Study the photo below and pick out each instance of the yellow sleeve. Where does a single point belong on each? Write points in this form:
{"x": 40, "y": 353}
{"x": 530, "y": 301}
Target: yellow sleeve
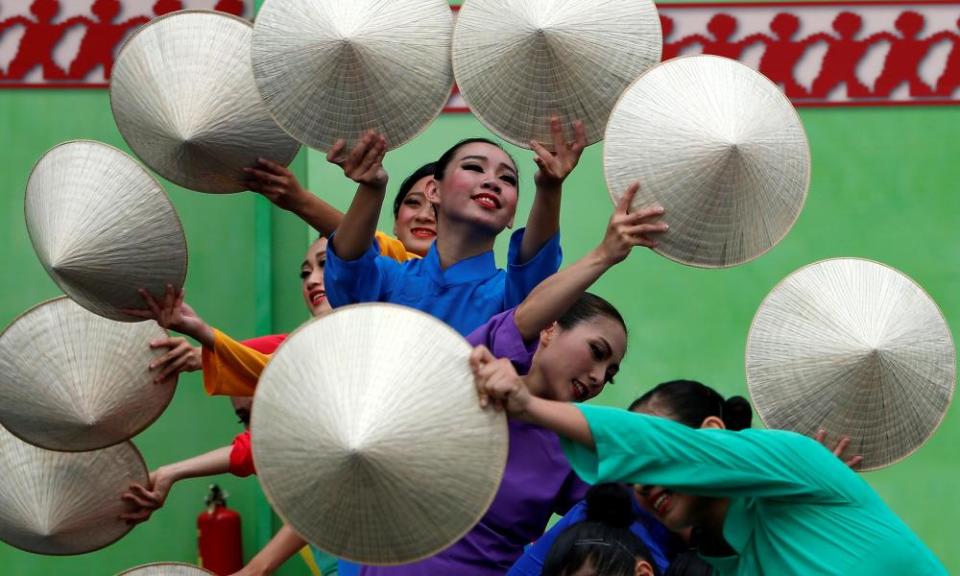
{"x": 231, "y": 369}
{"x": 393, "y": 248}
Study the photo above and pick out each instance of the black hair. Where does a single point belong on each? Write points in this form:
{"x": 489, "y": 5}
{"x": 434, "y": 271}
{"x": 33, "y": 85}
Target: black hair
{"x": 689, "y": 563}
{"x": 690, "y": 402}
{"x": 420, "y": 173}
{"x": 590, "y": 306}
{"x": 604, "y": 539}
{"x": 447, "y": 157}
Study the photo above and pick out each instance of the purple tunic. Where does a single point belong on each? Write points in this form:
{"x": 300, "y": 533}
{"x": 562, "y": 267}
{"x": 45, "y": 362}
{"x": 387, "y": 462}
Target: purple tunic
{"x": 537, "y": 483}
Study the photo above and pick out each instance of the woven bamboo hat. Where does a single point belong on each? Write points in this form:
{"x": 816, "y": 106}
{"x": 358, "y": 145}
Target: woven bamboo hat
{"x": 369, "y": 439}
{"x": 63, "y": 503}
{"x": 720, "y": 148}
{"x": 329, "y": 69}
{"x": 519, "y": 62}
{"x": 71, "y": 380}
{"x": 858, "y": 349}
{"x": 166, "y": 569}
{"x": 184, "y": 98}
{"x": 103, "y": 228}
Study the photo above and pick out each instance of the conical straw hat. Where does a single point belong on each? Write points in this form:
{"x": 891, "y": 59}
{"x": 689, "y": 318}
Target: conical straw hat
{"x": 184, "y": 98}
{"x": 329, "y": 69}
{"x": 519, "y": 62}
{"x": 858, "y": 349}
{"x": 369, "y": 439}
{"x": 71, "y": 380}
{"x": 103, "y": 228}
{"x": 62, "y": 503}
{"x": 166, "y": 569}
{"x": 720, "y": 148}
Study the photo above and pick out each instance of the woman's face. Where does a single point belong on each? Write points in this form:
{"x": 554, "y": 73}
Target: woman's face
{"x": 311, "y": 276}
{"x": 676, "y": 511}
{"x": 576, "y": 363}
{"x": 479, "y": 187}
{"x": 416, "y": 223}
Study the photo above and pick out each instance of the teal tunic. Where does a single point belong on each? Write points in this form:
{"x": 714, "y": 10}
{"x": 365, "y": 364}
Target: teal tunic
{"x": 795, "y": 508}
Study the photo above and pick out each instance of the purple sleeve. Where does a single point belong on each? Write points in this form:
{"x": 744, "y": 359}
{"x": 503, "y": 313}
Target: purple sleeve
{"x": 501, "y": 336}
{"x": 574, "y": 490}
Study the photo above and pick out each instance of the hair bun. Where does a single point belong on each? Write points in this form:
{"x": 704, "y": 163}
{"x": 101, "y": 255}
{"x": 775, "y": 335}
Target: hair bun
{"x": 610, "y": 504}
{"x": 737, "y": 413}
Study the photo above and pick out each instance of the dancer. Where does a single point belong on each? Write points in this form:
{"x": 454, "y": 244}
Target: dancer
{"x": 762, "y": 501}
{"x": 475, "y": 192}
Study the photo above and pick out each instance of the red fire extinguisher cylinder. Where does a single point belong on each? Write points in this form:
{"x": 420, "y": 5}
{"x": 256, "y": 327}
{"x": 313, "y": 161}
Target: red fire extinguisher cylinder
{"x": 220, "y": 537}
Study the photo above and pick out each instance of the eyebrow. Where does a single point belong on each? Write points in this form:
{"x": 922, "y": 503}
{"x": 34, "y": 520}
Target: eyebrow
{"x": 485, "y": 159}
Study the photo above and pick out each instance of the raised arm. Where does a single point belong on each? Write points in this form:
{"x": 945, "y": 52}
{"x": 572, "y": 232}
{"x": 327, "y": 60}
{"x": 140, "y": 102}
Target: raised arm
{"x": 543, "y": 221}
{"x": 279, "y": 185}
{"x": 364, "y": 165}
{"x": 149, "y": 499}
{"x": 171, "y": 312}
{"x": 555, "y": 295}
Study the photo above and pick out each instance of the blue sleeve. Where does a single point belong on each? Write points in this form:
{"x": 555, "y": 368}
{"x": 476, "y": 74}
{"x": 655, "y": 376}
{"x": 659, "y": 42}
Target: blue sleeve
{"x": 502, "y": 337}
{"x": 369, "y": 278}
{"x": 523, "y": 278}
{"x": 531, "y": 563}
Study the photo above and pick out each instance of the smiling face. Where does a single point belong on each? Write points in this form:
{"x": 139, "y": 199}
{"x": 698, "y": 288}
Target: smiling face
{"x": 577, "y": 362}
{"x": 311, "y": 276}
{"x": 416, "y": 222}
{"x": 479, "y": 188}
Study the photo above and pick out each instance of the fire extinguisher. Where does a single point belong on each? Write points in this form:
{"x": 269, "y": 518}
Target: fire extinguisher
{"x": 220, "y": 540}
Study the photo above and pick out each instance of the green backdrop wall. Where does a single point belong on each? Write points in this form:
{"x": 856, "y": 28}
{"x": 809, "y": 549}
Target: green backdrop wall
{"x": 885, "y": 186}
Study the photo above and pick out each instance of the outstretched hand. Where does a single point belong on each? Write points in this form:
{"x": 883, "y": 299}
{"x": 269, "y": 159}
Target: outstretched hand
{"x": 147, "y": 500}
{"x": 839, "y": 448}
{"x": 364, "y": 164}
{"x": 277, "y": 183}
{"x": 171, "y": 312}
{"x": 628, "y": 229}
{"x": 556, "y": 166}
{"x": 497, "y": 382}
{"x": 181, "y": 356}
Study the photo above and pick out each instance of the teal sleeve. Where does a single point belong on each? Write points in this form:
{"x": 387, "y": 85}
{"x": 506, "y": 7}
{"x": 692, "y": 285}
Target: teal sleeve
{"x": 645, "y": 449}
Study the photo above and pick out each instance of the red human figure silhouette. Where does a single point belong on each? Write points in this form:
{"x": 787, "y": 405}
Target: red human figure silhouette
{"x": 949, "y": 81}
{"x": 673, "y": 49}
{"x": 722, "y": 27}
{"x": 39, "y": 40}
{"x": 102, "y": 36}
{"x": 902, "y": 63}
{"x": 842, "y": 57}
{"x": 162, "y": 7}
{"x": 234, "y": 7}
{"x": 782, "y": 53}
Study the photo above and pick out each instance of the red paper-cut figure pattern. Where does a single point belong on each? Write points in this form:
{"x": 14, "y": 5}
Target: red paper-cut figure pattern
{"x": 161, "y": 7}
{"x": 234, "y": 7}
{"x": 782, "y": 54}
{"x": 842, "y": 57}
{"x": 39, "y": 39}
{"x": 101, "y": 38}
{"x": 949, "y": 81}
{"x": 903, "y": 60}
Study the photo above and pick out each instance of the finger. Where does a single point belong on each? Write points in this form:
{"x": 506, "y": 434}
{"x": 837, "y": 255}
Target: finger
{"x": 152, "y": 303}
{"x": 169, "y": 356}
{"x": 172, "y": 368}
{"x": 623, "y": 206}
{"x": 820, "y": 436}
{"x": 359, "y": 150}
{"x": 265, "y": 177}
{"x": 139, "y": 500}
{"x": 480, "y": 356}
{"x": 647, "y": 213}
{"x": 333, "y": 156}
{"x": 274, "y": 167}
{"x": 854, "y": 461}
{"x": 181, "y": 294}
{"x": 556, "y": 135}
{"x": 579, "y": 136}
{"x": 541, "y": 152}
{"x": 171, "y": 342}
{"x": 138, "y": 312}
{"x": 644, "y": 229}
{"x": 841, "y": 446}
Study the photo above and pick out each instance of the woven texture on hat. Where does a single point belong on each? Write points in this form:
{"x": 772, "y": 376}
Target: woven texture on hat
{"x": 858, "y": 349}
{"x": 330, "y": 69}
{"x": 71, "y": 380}
{"x": 62, "y": 503}
{"x": 369, "y": 439}
{"x": 184, "y": 99}
{"x": 166, "y": 569}
{"x": 519, "y": 62}
{"x": 103, "y": 228}
{"x": 720, "y": 148}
